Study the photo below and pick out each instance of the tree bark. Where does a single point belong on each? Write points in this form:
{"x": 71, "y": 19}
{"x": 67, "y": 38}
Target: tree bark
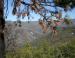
{"x": 2, "y": 25}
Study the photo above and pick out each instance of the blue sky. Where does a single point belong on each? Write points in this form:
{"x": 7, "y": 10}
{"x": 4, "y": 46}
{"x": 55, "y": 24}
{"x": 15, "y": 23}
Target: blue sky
{"x": 35, "y": 17}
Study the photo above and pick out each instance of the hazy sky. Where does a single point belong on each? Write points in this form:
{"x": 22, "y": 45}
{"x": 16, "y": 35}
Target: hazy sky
{"x": 34, "y": 16}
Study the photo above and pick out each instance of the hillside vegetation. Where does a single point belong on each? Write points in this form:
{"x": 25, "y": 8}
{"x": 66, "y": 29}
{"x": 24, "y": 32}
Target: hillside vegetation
{"x": 43, "y": 46}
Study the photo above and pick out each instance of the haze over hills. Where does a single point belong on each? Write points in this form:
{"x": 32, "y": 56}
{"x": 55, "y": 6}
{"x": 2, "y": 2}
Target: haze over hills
{"x": 17, "y": 36}
{"x": 27, "y": 32}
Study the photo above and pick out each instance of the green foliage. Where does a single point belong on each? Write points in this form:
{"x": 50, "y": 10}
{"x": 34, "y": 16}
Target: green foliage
{"x": 45, "y": 50}
{"x": 68, "y": 50}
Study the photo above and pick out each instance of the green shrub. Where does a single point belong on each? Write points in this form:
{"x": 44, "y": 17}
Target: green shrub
{"x": 45, "y": 50}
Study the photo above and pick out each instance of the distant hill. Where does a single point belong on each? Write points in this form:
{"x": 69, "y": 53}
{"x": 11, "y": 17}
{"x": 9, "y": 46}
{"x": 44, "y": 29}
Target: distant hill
{"x": 17, "y": 36}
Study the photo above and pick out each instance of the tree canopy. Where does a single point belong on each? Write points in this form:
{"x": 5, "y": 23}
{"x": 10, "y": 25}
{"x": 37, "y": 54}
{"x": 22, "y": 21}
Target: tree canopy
{"x": 39, "y": 6}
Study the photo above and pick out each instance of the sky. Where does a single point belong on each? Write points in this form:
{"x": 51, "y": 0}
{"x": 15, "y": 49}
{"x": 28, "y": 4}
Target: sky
{"x": 34, "y": 17}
